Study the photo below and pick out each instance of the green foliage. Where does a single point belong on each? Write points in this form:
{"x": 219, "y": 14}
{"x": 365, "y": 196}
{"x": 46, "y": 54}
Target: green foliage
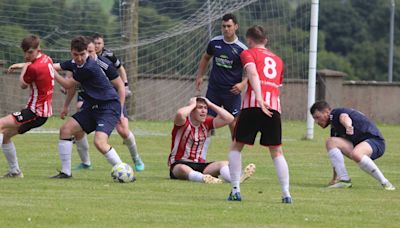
{"x": 330, "y": 60}
{"x": 91, "y": 199}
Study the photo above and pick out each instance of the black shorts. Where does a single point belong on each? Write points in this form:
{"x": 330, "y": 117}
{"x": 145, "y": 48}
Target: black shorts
{"x": 196, "y": 166}
{"x": 28, "y": 120}
{"x": 254, "y": 120}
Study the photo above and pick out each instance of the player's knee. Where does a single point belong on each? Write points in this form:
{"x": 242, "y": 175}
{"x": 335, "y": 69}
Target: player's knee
{"x": 330, "y": 143}
{"x": 101, "y": 145}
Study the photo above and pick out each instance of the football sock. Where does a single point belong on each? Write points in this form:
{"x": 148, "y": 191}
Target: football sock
{"x": 130, "y": 142}
{"x": 195, "y": 176}
{"x": 65, "y": 150}
{"x": 11, "y": 155}
{"x": 235, "y": 169}
{"x": 337, "y": 161}
{"x": 1, "y": 138}
{"x": 205, "y": 147}
{"x": 82, "y": 146}
{"x": 370, "y": 167}
{"x": 282, "y": 171}
{"x": 225, "y": 174}
{"x": 112, "y": 157}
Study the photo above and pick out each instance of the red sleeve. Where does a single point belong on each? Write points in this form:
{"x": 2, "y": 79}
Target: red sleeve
{"x": 29, "y": 75}
{"x": 209, "y": 123}
{"x": 246, "y": 57}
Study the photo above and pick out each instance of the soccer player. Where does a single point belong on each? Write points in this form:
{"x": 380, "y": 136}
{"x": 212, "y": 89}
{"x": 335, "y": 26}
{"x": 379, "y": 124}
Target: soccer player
{"x": 226, "y": 78}
{"x": 191, "y": 127}
{"x": 100, "y": 111}
{"x": 260, "y": 111}
{"x": 38, "y": 74}
{"x": 353, "y": 135}
{"x": 102, "y": 51}
{"x": 122, "y": 126}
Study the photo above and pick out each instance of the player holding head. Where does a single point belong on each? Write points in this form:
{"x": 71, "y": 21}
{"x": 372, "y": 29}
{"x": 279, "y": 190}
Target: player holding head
{"x": 122, "y": 126}
{"x": 191, "y": 128}
{"x": 353, "y": 135}
{"x": 37, "y": 74}
{"x": 260, "y": 111}
{"x": 226, "y": 78}
{"x": 102, "y": 51}
{"x": 100, "y": 111}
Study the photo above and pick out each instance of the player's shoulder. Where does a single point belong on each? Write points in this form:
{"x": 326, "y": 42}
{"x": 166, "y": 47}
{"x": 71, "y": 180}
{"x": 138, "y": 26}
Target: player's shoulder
{"x": 219, "y": 38}
{"x": 107, "y": 52}
{"x": 240, "y": 44}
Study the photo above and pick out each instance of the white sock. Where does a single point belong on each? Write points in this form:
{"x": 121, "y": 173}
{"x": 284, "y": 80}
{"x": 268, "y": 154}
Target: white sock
{"x": 82, "y": 146}
{"x": 282, "y": 171}
{"x": 65, "y": 151}
{"x": 225, "y": 174}
{"x": 235, "y": 169}
{"x": 112, "y": 157}
{"x": 1, "y": 138}
{"x": 370, "y": 167}
{"x": 337, "y": 161}
{"x": 195, "y": 176}
{"x": 205, "y": 148}
{"x": 130, "y": 142}
{"x": 11, "y": 155}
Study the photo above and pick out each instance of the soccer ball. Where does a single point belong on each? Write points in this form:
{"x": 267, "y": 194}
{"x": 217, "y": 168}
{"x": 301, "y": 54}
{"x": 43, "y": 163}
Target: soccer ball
{"x": 122, "y": 173}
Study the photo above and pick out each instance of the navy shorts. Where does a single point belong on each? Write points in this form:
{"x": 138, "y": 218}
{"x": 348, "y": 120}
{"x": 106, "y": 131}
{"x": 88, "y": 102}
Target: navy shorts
{"x": 378, "y": 147}
{"x": 196, "y": 166}
{"x": 254, "y": 120}
{"x": 230, "y": 102}
{"x": 102, "y": 117}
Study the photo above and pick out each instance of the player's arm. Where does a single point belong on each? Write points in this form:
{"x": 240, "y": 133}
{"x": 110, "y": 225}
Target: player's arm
{"x": 15, "y": 66}
{"x": 251, "y": 72}
{"x": 202, "y": 68}
{"x": 238, "y": 87}
{"x": 23, "y": 84}
{"x": 119, "y": 85}
{"x": 70, "y": 93}
{"x": 183, "y": 113}
{"x": 347, "y": 123}
{"x": 223, "y": 117}
{"x": 122, "y": 74}
{"x": 67, "y": 83}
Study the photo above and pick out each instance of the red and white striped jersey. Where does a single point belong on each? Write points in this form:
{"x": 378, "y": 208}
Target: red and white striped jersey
{"x": 270, "y": 72}
{"x": 40, "y": 77}
{"x": 188, "y": 141}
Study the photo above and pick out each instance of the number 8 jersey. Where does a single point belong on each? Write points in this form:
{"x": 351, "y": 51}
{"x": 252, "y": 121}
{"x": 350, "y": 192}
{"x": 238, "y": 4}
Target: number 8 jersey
{"x": 270, "y": 72}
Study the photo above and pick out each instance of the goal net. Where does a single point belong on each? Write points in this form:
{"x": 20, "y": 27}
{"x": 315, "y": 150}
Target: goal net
{"x": 159, "y": 42}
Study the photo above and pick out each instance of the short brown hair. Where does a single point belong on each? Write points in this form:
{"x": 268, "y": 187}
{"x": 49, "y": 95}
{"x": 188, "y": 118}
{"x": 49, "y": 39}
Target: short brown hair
{"x": 79, "y": 43}
{"x": 257, "y": 33}
{"x": 31, "y": 41}
{"x": 319, "y": 106}
{"x": 228, "y": 17}
{"x": 97, "y": 35}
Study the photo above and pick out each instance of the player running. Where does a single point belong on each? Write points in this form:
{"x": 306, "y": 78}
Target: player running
{"x": 38, "y": 74}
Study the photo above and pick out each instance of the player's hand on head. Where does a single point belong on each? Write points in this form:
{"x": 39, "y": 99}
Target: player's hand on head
{"x": 192, "y": 100}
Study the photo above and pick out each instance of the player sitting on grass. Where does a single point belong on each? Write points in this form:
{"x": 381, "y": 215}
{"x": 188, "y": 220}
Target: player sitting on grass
{"x": 191, "y": 129}
{"x": 38, "y": 75}
{"x": 353, "y": 135}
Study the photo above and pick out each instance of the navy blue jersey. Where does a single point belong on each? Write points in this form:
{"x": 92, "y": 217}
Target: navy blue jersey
{"x": 110, "y": 56}
{"x": 363, "y": 127}
{"x": 93, "y": 80}
{"x": 108, "y": 67}
{"x": 227, "y": 68}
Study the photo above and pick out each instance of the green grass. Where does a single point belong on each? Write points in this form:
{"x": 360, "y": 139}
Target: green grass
{"x": 91, "y": 199}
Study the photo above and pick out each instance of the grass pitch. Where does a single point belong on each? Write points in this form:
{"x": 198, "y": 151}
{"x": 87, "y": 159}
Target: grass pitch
{"x": 92, "y": 199}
